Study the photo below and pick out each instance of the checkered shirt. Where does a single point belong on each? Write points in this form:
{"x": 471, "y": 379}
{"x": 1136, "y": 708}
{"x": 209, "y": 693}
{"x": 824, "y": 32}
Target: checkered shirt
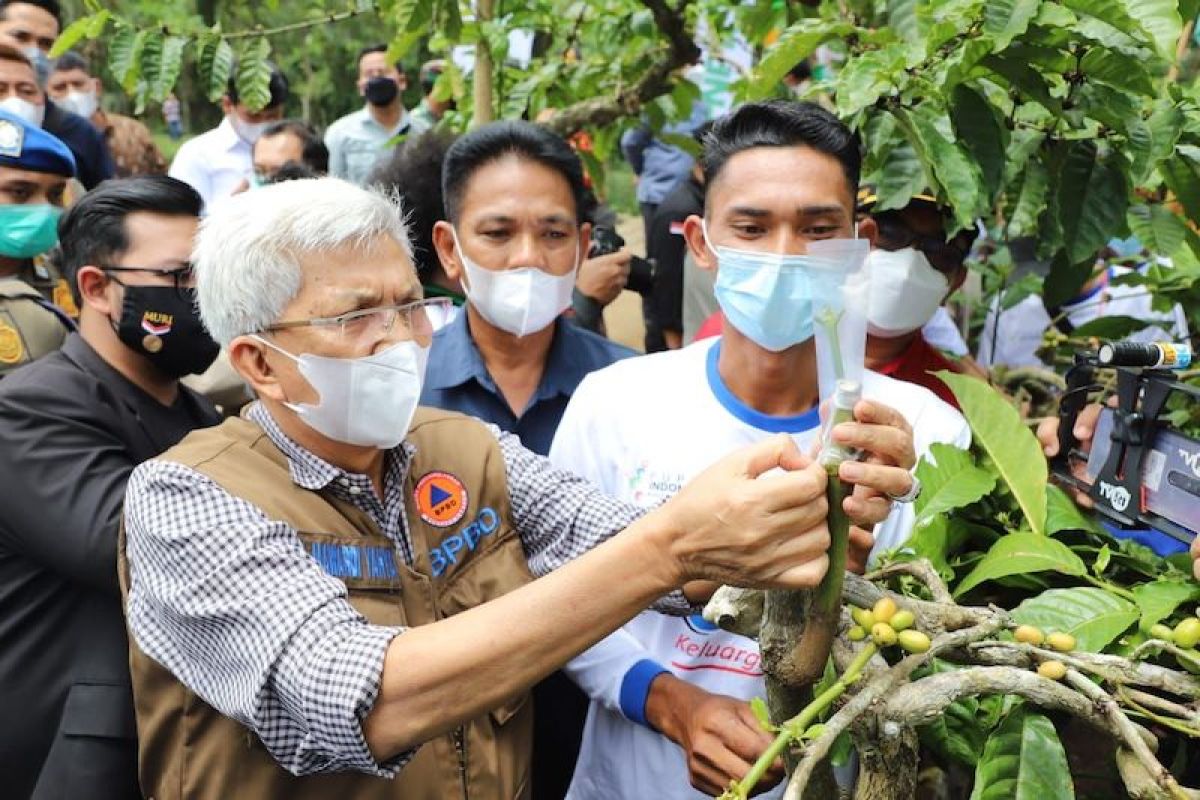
{"x": 231, "y": 603}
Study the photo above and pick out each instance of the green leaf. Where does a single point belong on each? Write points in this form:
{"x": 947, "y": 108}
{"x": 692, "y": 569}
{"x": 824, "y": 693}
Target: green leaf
{"x": 759, "y": 708}
{"x": 254, "y": 74}
{"x": 1021, "y": 553}
{"x": 123, "y": 52}
{"x": 1102, "y": 560}
{"x": 408, "y": 13}
{"x": 976, "y": 125}
{"x": 1093, "y": 616}
{"x": 1116, "y": 70}
{"x": 215, "y": 62}
{"x": 1023, "y": 760}
{"x": 1014, "y": 450}
{"x": 1031, "y": 200}
{"x": 1179, "y": 174}
{"x": 99, "y": 22}
{"x": 1005, "y": 20}
{"x": 961, "y": 730}
{"x": 794, "y": 45}
{"x": 939, "y": 540}
{"x": 1160, "y": 19}
{"x": 1158, "y": 228}
{"x": 1026, "y": 80}
{"x": 1112, "y": 12}
{"x": 902, "y": 18}
{"x": 866, "y": 78}
{"x": 1118, "y": 327}
{"x": 151, "y": 66}
{"x": 71, "y": 36}
{"x": 957, "y": 172}
{"x": 1092, "y": 198}
{"x": 902, "y": 177}
{"x": 1158, "y": 600}
{"x": 169, "y": 67}
{"x": 949, "y": 480}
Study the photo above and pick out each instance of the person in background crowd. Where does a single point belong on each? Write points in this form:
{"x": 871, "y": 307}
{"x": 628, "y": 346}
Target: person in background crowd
{"x": 513, "y": 235}
{"x": 353, "y": 595}
{"x": 217, "y": 162}
{"x": 173, "y": 117}
{"x": 358, "y": 140}
{"x": 73, "y": 87}
{"x": 914, "y": 267}
{"x": 669, "y": 302}
{"x": 288, "y": 142}
{"x": 34, "y": 170}
{"x": 659, "y": 168}
{"x": 24, "y": 28}
{"x": 74, "y": 425}
{"x": 429, "y": 111}
{"x": 669, "y": 695}
{"x": 413, "y": 173}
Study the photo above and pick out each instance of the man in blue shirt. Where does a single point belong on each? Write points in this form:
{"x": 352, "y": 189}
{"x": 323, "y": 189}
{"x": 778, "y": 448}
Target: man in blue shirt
{"x": 513, "y": 236}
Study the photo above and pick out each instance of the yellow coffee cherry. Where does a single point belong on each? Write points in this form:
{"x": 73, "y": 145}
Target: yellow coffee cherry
{"x": 884, "y": 610}
{"x": 1029, "y": 635}
{"x": 863, "y": 617}
{"x": 913, "y": 641}
{"x": 1054, "y": 670}
{"x": 857, "y": 633}
{"x": 903, "y": 619}
{"x": 1163, "y": 632}
{"x": 1062, "y": 642}
{"x": 1187, "y": 633}
{"x": 883, "y": 635}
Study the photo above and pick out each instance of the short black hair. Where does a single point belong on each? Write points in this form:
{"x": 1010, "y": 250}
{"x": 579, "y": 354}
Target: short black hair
{"x": 526, "y": 140}
{"x": 278, "y": 86}
{"x": 49, "y": 6}
{"x": 93, "y": 230}
{"x": 314, "y": 154}
{"x": 374, "y": 48}
{"x": 71, "y": 60}
{"x": 414, "y": 172}
{"x": 782, "y": 123}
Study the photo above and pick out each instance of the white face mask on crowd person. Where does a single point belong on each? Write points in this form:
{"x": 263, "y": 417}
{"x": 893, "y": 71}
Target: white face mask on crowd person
{"x": 905, "y": 291}
{"x": 82, "y": 103}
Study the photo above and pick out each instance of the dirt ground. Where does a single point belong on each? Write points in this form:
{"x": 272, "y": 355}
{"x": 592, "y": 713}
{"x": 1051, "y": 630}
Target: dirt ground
{"x": 623, "y": 317}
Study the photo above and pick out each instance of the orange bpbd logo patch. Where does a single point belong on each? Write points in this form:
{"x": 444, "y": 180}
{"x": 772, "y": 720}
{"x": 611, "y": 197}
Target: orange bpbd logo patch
{"x": 441, "y": 499}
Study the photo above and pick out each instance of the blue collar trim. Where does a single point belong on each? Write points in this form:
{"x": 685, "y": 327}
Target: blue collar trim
{"x": 800, "y": 423}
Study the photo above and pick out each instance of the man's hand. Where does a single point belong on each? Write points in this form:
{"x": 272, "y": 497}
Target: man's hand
{"x": 861, "y": 542}
{"x": 602, "y": 278}
{"x": 1196, "y": 557}
{"x": 719, "y": 734}
{"x": 1084, "y": 431}
{"x": 886, "y": 439}
{"x": 732, "y": 526}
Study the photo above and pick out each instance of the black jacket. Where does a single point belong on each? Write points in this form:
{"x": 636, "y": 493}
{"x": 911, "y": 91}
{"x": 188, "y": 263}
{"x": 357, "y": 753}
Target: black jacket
{"x": 72, "y": 429}
{"x": 93, "y": 161}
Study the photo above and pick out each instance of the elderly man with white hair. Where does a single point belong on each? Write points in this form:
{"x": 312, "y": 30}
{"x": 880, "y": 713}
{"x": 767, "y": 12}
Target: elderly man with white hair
{"x": 342, "y": 595}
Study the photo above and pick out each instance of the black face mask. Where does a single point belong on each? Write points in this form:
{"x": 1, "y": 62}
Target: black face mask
{"x": 381, "y": 91}
{"x": 161, "y": 323}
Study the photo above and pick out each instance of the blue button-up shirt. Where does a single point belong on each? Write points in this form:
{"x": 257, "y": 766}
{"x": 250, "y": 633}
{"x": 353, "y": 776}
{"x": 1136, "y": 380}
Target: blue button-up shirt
{"x": 458, "y": 380}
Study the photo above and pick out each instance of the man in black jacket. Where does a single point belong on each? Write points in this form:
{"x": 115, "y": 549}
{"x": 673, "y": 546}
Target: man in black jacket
{"x": 74, "y": 425}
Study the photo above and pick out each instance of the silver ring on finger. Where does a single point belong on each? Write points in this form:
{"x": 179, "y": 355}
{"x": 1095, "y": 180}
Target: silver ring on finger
{"x": 914, "y": 491}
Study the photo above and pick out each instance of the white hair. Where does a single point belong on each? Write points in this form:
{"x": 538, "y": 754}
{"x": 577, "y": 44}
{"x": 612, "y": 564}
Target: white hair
{"x": 247, "y": 253}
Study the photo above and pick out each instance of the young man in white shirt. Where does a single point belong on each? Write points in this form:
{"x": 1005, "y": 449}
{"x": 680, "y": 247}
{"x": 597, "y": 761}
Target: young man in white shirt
{"x": 218, "y": 163}
{"x": 669, "y": 696}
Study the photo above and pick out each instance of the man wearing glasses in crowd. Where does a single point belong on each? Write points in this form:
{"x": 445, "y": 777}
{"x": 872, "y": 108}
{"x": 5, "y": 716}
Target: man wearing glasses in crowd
{"x": 74, "y": 425}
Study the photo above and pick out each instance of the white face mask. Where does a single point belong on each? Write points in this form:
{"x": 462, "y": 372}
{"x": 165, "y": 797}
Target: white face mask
{"x": 520, "y": 301}
{"x": 905, "y": 291}
{"x": 248, "y": 132}
{"x": 366, "y": 401}
{"x": 28, "y": 112}
{"x": 82, "y": 103}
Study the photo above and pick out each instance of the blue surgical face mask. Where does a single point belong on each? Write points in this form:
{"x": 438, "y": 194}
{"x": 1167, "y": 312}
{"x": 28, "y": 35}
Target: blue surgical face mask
{"x": 770, "y": 297}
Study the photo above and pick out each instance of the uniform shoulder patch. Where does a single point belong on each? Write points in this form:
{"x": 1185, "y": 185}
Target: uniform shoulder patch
{"x": 12, "y": 139}
{"x": 12, "y": 351}
{"x": 441, "y": 499}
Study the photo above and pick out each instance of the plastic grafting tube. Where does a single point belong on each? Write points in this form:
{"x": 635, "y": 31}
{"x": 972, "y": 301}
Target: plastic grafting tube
{"x": 1163, "y": 355}
{"x": 846, "y": 395}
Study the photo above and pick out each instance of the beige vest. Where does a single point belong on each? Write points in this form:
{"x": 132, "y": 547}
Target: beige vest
{"x": 28, "y": 330}
{"x": 466, "y": 553}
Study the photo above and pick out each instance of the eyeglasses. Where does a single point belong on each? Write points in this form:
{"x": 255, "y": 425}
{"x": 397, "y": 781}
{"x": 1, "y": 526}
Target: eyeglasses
{"x": 183, "y": 278}
{"x": 372, "y": 324}
{"x": 943, "y": 256}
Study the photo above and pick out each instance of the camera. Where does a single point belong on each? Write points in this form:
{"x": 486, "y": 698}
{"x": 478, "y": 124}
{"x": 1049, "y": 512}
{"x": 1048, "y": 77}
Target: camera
{"x": 606, "y": 240}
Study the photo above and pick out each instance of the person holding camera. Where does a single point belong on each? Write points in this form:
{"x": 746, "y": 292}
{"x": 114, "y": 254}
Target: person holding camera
{"x": 514, "y": 236}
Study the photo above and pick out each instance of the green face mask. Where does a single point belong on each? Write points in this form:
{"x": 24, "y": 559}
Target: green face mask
{"x": 28, "y": 230}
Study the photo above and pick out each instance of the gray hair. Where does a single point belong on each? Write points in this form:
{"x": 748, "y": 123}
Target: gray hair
{"x": 247, "y": 253}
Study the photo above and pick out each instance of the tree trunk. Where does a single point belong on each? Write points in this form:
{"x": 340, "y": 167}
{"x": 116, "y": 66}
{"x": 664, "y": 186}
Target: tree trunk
{"x": 482, "y": 76}
{"x": 887, "y": 764}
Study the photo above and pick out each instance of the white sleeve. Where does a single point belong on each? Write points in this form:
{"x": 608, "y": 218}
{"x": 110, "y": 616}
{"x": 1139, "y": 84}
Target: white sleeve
{"x": 189, "y": 168}
{"x": 616, "y": 673}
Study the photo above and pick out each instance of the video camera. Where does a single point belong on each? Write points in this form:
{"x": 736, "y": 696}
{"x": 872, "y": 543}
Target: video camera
{"x": 606, "y": 240}
{"x": 1140, "y": 472}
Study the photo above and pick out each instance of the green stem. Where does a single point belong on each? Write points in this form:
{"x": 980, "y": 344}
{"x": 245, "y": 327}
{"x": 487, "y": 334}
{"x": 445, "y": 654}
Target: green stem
{"x": 1109, "y": 587}
{"x": 790, "y": 730}
{"x": 829, "y": 593}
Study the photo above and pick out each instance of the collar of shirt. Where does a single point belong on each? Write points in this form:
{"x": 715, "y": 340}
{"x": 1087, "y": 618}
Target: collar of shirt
{"x": 227, "y": 138}
{"x": 457, "y": 360}
{"x": 310, "y": 471}
{"x": 367, "y": 121}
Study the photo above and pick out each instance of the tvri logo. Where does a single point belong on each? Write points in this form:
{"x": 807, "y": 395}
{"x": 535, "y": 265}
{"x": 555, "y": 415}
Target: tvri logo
{"x": 1191, "y": 459}
{"x": 1117, "y": 496}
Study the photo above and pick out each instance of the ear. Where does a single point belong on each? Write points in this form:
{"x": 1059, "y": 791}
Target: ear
{"x": 98, "y": 87}
{"x": 867, "y": 229}
{"x": 94, "y": 290}
{"x": 693, "y": 234}
{"x": 251, "y": 360}
{"x": 227, "y": 105}
{"x": 585, "y": 241}
{"x": 443, "y": 242}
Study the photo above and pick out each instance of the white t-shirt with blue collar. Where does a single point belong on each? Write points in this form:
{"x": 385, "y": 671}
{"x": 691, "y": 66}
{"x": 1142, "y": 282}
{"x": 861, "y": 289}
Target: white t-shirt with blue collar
{"x": 641, "y": 429}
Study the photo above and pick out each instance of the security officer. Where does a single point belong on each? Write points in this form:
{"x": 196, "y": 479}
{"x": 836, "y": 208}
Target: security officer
{"x": 34, "y": 170}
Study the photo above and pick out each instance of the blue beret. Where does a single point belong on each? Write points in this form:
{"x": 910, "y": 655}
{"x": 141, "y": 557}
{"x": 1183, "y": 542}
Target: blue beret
{"x": 23, "y": 146}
